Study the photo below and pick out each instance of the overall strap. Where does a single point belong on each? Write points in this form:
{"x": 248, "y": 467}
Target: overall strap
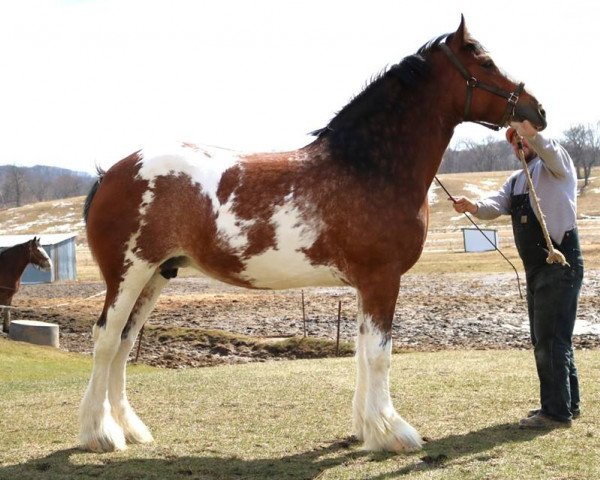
{"x": 512, "y": 185}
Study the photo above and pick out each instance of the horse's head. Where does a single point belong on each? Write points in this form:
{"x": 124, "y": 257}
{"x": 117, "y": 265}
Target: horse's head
{"x": 38, "y": 256}
{"x": 482, "y": 91}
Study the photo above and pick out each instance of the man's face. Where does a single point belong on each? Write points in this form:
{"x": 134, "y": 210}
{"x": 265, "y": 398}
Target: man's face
{"x": 527, "y": 150}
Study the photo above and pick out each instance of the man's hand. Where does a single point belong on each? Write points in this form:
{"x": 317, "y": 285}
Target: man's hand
{"x": 463, "y": 204}
{"x": 525, "y": 129}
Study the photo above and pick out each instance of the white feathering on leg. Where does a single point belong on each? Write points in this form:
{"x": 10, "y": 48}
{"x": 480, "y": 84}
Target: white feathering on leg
{"x": 384, "y": 429}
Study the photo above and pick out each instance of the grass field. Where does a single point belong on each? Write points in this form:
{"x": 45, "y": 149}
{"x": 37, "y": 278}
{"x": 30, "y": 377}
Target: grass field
{"x": 292, "y": 419}
{"x": 444, "y": 249}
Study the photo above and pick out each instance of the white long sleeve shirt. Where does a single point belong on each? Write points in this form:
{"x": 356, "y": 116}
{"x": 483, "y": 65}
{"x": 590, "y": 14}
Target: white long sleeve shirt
{"x": 555, "y": 182}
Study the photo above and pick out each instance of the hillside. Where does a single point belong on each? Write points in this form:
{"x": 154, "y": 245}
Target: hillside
{"x": 26, "y": 185}
{"x": 55, "y": 216}
{"x": 445, "y": 234}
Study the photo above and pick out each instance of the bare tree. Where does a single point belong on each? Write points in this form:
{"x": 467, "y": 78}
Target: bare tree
{"x": 583, "y": 143}
{"x": 592, "y": 156}
{"x": 471, "y": 156}
{"x": 40, "y": 187}
{"x": 575, "y": 139}
{"x": 14, "y": 185}
{"x": 67, "y": 186}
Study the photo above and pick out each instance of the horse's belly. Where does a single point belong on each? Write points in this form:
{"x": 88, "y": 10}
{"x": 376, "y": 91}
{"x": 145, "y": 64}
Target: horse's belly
{"x": 280, "y": 269}
{"x": 279, "y": 259}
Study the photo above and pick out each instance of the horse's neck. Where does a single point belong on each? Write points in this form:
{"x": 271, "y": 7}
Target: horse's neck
{"x": 12, "y": 265}
{"x": 410, "y": 140}
{"x": 429, "y": 141}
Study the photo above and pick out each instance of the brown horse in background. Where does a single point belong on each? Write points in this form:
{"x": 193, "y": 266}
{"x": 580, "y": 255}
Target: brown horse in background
{"x": 13, "y": 262}
{"x": 348, "y": 209}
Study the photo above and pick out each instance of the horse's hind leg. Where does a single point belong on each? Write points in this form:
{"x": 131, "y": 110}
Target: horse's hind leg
{"x": 5, "y": 319}
{"x": 375, "y": 419}
{"x": 99, "y": 431}
{"x": 134, "y": 429}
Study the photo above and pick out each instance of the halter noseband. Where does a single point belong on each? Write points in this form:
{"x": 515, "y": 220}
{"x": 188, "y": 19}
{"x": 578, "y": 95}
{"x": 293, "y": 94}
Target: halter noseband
{"x": 472, "y": 82}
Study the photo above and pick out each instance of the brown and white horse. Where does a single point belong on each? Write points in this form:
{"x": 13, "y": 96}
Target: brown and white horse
{"x": 348, "y": 209}
{"x": 13, "y": 262}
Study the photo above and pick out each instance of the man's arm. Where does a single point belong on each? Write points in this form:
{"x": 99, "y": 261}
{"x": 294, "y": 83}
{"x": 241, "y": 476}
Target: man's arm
{"x": 490, "y": 207}
{"x": 555, "y": 157}
{"x": 553, "y": 154}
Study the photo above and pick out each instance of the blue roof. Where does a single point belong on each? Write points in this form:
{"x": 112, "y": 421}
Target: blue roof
{"x": 45, "y": 239}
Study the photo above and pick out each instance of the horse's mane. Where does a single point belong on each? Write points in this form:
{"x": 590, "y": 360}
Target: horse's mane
{"x": 9, "y": 249}
{"x": 341, "y": 131}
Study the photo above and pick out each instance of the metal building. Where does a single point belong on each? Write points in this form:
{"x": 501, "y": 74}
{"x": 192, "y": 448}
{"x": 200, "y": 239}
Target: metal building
{"x": 483, "y": 240}
{"x": 61, "y": 250}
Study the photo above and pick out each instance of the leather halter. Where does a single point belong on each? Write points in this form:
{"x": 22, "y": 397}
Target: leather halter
{"x": 472, "y": 83}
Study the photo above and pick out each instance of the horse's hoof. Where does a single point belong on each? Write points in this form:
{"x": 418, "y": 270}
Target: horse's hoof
{"x": 397, "y": 435}
{"x": 108, "y": 438}
{"x": 104, "y": 444}
{"x": 139, "y": 436}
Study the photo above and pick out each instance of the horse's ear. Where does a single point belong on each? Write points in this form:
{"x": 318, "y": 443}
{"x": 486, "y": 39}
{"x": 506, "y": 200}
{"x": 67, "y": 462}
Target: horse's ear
{"x": 459, "y": 38}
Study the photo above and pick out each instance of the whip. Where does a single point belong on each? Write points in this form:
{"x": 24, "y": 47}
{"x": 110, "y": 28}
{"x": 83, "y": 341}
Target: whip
{"x": 484, "y": 236}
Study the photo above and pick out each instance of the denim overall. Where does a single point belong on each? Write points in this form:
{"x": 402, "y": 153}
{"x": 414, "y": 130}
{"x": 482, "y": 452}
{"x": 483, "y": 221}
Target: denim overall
{"x": 552, "y": 295}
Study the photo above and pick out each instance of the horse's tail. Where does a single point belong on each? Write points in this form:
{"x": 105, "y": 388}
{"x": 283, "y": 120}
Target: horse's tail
{"x": 90, "y": 196}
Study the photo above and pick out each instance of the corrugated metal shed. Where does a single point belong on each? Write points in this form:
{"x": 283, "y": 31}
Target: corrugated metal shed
{"x": 61, "y": 250}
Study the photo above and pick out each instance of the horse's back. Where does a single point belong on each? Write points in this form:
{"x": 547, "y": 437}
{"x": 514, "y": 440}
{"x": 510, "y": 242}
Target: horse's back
{"x": 233, "y": 217}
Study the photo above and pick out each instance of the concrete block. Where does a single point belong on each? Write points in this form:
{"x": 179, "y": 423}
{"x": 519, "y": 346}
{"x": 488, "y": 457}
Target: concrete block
{"x": 32, "y": 331}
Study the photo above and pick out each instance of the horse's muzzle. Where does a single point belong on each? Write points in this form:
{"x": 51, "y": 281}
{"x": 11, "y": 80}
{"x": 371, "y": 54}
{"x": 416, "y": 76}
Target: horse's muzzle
{"x": 532, "y": 112}
{"x": 46, "y": 267}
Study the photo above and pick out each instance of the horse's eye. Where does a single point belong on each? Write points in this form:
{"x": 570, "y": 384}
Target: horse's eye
{"x": 488, "y": 64}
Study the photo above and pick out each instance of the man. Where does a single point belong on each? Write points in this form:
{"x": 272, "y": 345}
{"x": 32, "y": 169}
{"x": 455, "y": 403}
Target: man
{"x": 552, "y": 289}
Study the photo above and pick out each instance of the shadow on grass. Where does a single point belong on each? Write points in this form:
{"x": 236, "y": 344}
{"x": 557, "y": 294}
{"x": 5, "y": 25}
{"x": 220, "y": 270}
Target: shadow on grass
{"x": 440, "y": 452}
{"x": 306, "y": 465}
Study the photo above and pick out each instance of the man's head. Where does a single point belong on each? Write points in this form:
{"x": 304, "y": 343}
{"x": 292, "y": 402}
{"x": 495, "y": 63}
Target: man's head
{"x": 511, "y": 137}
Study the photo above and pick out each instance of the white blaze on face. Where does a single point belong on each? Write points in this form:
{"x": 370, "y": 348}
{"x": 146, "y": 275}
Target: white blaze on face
{"x": 204, "y": 165}
{"x": 47, "y": 265}
{"x": 286, "y": 265}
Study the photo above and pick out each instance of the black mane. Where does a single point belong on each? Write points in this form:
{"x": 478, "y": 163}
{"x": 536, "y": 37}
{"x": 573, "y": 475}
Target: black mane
{"x": 383, "y": 96}
{"x": 9, "y": 250}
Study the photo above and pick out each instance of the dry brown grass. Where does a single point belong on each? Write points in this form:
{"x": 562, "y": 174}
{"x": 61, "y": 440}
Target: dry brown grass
{"x": 443, "y": 252}
{"x": 291, "y": 420}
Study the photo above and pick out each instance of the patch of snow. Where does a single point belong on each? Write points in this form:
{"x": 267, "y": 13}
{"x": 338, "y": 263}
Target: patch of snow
{"x": 490, "y": 183}
{"x": 477, "y": 190}
{"x": 582, "y": 327}
{"x": 431, "y": 195}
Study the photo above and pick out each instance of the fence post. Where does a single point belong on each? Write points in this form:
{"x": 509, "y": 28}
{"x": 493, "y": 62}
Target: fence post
{"x": 137, "y": 354}
{"x": 337, "y": 341}
{"x": 303, "y": 314}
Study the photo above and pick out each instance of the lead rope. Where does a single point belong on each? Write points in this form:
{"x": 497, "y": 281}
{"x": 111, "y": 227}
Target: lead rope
{"x": 554, "y": 256}
{"x": 484, "y": 236}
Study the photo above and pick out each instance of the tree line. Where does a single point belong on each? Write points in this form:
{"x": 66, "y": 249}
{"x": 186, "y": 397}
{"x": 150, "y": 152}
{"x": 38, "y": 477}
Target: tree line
{"x": 581, "y": 141}
{"x": 22, "y": 185}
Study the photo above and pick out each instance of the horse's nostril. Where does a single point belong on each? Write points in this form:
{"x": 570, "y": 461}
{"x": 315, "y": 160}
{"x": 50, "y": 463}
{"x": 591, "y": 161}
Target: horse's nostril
{"x": 542, "y": 112}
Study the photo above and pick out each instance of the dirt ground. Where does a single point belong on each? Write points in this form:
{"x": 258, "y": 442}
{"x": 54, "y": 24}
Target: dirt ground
{"x": 448, "y": 311}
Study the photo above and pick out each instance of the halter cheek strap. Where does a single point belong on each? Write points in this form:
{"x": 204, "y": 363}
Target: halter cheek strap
{"x": 512, "y": 98}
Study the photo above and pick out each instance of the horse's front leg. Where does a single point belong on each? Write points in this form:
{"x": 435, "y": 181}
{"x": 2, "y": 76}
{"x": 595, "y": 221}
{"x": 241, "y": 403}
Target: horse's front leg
{"x": 375, "y": 419}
